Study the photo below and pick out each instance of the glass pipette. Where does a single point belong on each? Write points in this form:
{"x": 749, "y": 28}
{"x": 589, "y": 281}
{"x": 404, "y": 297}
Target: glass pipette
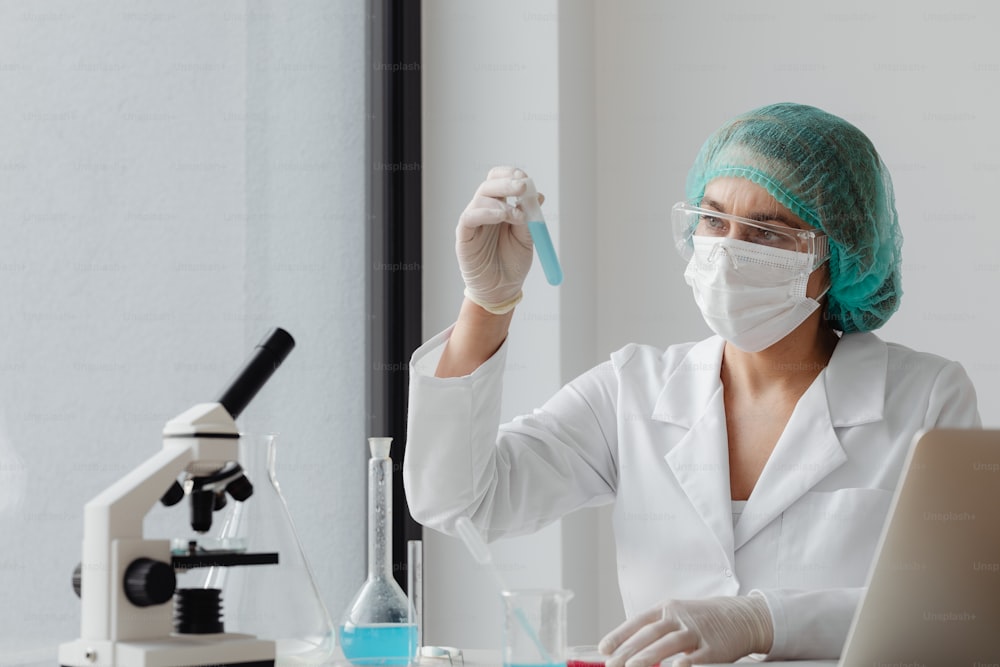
{"x": 477, "y": 547}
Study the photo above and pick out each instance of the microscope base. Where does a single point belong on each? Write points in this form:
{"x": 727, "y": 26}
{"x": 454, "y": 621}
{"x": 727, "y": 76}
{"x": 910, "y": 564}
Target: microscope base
{"x": 174, "y": 651}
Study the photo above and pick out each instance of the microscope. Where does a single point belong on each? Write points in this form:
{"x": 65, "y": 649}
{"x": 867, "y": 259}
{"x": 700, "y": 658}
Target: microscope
{"x": 132, "y": 612}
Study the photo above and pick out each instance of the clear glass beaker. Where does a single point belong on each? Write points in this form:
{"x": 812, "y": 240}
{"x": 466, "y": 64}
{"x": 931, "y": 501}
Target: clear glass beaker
{"x": 379, "y": 626}
{"x": 279, "y": 602}
{"x": 535, "y": 627}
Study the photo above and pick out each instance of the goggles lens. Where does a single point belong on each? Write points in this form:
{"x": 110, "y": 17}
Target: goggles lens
{"x": 689, "y": 221}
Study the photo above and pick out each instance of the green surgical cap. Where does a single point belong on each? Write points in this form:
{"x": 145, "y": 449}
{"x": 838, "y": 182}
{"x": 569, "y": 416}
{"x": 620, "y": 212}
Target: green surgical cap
{"x": 827, "y": 172}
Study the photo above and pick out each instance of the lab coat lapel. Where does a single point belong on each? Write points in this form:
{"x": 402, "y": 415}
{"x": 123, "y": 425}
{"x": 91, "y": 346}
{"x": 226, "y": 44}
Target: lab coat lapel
{"x": 850, "y": 391}
{"x": 700, "y": 462}
{"x": 692, "y": 397}
{"x": 807, "y": 451}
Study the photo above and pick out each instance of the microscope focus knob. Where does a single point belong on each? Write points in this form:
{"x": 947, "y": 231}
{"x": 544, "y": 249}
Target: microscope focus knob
{"x": 78, "y": 579}
{"x": 149, "y": 582}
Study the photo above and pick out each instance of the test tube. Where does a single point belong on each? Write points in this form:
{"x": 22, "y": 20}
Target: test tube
{"x": 415, "y": 586}
{"x": 540, "y": 234}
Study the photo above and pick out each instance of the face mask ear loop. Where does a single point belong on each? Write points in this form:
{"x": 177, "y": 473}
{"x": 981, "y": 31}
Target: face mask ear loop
{"x": 826, "y": 289}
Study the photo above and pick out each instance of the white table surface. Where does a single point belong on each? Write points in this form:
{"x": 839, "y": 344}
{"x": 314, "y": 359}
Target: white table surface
{"x": 486, "y": 658}
{"x": 19, "y": 653}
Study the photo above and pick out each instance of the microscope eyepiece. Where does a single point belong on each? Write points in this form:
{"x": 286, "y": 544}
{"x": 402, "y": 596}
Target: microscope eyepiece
{"x": 266, "y": 358}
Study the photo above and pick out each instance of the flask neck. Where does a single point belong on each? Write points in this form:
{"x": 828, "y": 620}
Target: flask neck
{"x": 379, "y": 518}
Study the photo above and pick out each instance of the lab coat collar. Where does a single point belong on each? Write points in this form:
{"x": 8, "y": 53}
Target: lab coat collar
{"x": 855, "y": 382}
{"x": 850, "y": 391}
{"x": 855, "y": 379}
{"x": 687, "y": 391}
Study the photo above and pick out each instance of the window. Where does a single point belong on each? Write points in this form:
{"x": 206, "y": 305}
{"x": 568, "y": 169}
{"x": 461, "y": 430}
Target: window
{"x": 172, "y": 186}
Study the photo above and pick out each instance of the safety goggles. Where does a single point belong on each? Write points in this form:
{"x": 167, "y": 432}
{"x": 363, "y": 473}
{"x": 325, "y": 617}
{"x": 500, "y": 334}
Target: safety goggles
{"x": 690, "y": 220}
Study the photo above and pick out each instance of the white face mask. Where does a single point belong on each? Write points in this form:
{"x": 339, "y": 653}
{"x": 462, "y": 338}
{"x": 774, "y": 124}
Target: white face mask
{"x": 751, "y": 295}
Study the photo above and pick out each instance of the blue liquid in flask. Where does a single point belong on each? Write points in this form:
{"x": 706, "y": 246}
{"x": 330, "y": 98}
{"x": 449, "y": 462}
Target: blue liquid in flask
{"x": 379, "y": 643}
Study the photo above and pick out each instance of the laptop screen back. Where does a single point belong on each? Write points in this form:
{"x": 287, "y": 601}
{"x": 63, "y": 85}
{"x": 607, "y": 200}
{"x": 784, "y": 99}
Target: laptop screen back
{"x": 934, "y": 590}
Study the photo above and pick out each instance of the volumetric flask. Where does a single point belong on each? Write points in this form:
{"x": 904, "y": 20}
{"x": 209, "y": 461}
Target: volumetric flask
{"x": 535, "y": 627}
{"x": 379, "y": 626}
{"x": 279, "y": 602}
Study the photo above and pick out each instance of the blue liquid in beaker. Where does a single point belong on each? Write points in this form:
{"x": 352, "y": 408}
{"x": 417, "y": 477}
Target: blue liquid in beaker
{"x": 379, "y": 643}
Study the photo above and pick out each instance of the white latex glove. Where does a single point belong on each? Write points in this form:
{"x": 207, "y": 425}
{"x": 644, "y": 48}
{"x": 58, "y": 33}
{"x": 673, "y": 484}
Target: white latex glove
{"x": 721, "y": 629}
{"x": 492, "y": 241}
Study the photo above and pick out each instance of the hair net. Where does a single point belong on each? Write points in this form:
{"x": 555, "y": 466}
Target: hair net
{"x": 827, "y": 172}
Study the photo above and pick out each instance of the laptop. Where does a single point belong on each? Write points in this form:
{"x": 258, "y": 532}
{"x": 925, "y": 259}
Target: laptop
{"x": 934, "y": 588}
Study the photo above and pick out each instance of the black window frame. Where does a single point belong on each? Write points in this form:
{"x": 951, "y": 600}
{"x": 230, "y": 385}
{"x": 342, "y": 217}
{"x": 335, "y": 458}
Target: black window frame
{"x": 394, "y": 238}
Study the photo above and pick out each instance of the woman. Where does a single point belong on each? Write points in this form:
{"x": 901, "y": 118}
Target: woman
{"x": 751, "y": 472}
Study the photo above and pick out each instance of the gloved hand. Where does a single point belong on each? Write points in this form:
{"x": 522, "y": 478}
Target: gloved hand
{"x": 721, "y": 629}
{"x": 493, "y": 244}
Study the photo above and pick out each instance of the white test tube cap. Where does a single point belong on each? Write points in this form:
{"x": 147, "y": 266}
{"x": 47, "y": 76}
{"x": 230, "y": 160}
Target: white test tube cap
{"x": 529, "y": 203}
{"x": 379, "y": 447}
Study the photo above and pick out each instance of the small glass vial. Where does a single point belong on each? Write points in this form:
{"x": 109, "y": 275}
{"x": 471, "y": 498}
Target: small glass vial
{"x": 379, "y": 627}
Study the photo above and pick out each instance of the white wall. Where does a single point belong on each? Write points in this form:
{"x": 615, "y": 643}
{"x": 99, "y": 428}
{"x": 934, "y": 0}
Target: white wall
{"x": 174, "y": 180}
{"x": 641, "y": 83}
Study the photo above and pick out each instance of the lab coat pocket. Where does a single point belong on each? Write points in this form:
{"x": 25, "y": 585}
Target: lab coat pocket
{"x": 828, "y": 539}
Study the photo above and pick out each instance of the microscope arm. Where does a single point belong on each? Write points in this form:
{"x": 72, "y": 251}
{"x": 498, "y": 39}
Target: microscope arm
{"x": 119, "y": 510}
{"x": 117, "y": 513}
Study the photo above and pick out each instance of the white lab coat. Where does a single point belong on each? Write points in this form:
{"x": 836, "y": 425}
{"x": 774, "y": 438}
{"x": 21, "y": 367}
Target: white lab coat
{"x": 647, "y": 431}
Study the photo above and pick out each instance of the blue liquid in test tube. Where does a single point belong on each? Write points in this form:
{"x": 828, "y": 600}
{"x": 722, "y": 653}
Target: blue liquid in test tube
{"x": 546, "y": 252}
{"x": 528, "y": 202}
